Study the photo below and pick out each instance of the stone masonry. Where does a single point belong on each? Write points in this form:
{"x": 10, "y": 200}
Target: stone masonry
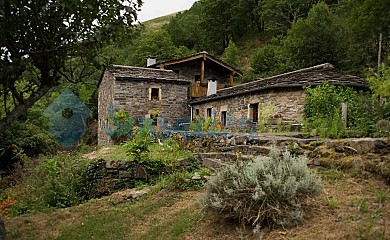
{"x": 289, "y": 102}
{"x": 130, "y": 88}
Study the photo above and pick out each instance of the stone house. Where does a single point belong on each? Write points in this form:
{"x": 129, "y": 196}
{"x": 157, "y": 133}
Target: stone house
{"x": 202, "y": 86}
{"x": 144, "y": 93}
{"x": 282, "y": 94}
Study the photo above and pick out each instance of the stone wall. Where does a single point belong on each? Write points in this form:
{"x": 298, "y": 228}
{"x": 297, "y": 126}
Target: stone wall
{"x": 289, "y": 102}
{"x": 106, "y": 97}
{"x": 134, "y": 97}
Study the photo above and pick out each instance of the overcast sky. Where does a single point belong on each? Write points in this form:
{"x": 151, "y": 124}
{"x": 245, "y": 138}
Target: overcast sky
{"x": 157, "y": 8}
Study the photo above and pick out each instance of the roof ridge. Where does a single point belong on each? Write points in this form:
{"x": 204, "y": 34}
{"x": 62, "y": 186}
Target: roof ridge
{"x": 142, "y": 68}
{"x": 320, "y": 66}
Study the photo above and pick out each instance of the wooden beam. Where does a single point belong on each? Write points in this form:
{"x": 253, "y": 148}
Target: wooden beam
{"x": 162, "y": 65}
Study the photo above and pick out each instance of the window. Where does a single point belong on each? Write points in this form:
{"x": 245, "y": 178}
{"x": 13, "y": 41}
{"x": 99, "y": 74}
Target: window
{"x": 209, "y": 112}
{"x": 176, "y": 71}
{"x": 155, "y": 94}
{"x": 223, "y": 118}
{"x": 196, "y": 112}
{"x": 254, "y": 112}
{"x": 197, "y": 78}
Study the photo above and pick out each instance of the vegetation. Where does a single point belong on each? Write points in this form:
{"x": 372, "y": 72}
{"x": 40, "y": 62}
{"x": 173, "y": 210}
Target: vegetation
{"x": 32, "y": 63}
{"x": 323, "y": 112}
{"x": 267, "y": 192}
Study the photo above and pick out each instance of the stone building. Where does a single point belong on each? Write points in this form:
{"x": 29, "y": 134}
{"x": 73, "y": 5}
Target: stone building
{"x": 202, "y": 86}
{"x": 282, "y": 94}
{"x": 144, "y": 93}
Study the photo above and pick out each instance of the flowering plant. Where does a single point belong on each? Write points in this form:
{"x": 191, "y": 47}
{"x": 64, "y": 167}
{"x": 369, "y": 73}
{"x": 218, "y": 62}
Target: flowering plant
{"x": 278, "y": 115}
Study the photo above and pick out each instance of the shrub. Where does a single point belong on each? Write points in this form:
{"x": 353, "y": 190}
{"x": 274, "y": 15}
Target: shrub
{"x": 122, "y": 125}
{"x": 267, "y": 191}
{"x": 52, "y": 183}
{"x": 323, "y": 111}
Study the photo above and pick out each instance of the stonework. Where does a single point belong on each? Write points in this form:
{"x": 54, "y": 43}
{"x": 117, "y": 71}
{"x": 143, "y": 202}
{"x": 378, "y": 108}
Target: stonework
{"x": 130, "y": 88}
{"x": 106, "y": 97}
{"x": 168, "y": 96}
{"x": 289, "y": 102}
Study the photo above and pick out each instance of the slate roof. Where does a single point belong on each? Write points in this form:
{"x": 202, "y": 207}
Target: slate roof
{"x": 197, "y": 56}
{"x": 145, "y": 74}
{"x": 312, "y": 76}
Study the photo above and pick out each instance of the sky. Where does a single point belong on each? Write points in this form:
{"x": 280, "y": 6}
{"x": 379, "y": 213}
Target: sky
{"x": 157, "y": 8}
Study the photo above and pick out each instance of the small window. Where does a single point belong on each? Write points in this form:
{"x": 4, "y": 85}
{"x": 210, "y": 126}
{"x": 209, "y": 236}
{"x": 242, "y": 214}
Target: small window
{"x": 223, "y": 118}
{"x": 197, "y": 78}
{"x": 209, "y": 112}
{"x": 176, "y": 71}
{"x": 196, "y": 112}
{"x": 254, "y": 112}
{"x": 155, "y": 94}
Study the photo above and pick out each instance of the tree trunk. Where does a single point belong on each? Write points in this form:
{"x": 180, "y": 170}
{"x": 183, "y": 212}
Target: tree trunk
{"x": 21, "y": 108}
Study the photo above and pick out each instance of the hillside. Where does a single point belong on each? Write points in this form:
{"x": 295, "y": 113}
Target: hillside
{"x": 350, "y": 207}
{"x": 157, "y": 23}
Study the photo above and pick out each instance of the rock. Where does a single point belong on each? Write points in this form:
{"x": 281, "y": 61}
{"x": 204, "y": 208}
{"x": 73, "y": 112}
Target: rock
{"x": 129, "y": 194}
{"x": 140, "y": 172}
{"x": 2, "y": 230}
{"x": 196, "y": 176}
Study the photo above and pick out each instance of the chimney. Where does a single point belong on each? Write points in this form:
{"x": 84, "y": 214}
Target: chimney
{"x": 212, "y": 86}
{"x": 150, "y": 61}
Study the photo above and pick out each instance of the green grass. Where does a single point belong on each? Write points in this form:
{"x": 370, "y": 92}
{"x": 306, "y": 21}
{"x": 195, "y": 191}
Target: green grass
{"x": 157, "y": 23}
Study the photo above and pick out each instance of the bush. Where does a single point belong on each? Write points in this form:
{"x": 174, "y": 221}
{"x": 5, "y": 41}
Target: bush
{"x": 267, "y": 191}
{"x": 52, "y": 183}
{"x": 323, "y": 111}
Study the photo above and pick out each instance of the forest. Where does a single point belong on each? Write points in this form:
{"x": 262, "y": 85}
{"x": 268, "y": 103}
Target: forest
{"x": 42, "y": 55}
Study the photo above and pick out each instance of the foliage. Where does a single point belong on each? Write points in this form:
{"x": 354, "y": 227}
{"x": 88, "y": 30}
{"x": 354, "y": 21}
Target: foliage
{"x": 138, "y": 147}
{"x": 24, "y": 140}
{"x": 74, "y": 31}
{"x": 52, "y": 183}
{"x": 157, "y": 44}
{"x": 157, "y": 158}
{"x": 180, "y": 180}
{"x": 122, "y": 125}
{"x": 265, "y": 192}
{"x": 280, "y": 15}
{"x": 323, "y": 111}
{"x": 230, "y": 55}
{"x": 367, "y": 20}
{"x": 380, "y": 85}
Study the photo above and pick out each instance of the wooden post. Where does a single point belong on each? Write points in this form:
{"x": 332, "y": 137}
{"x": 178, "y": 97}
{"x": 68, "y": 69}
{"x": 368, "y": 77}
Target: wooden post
{"x": 344, "y": 113}
{"x": 379, "y": 56}
{"x": 202, "y": 72}
{"x": 231, "y": 79}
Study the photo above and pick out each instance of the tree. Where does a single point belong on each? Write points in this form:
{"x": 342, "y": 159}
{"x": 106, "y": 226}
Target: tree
{"x": 231, "y": 54}
{"x": 39, "y": 38}
{"x": 279, "y": 15}
{"x": 315, "y": 39}
{"x": 368, "y": 19}
{"x": 158, "y": 44}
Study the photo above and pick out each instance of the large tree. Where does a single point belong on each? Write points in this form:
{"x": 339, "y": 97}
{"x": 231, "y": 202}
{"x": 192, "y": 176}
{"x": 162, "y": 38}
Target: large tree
{"x": 43, "y": 41}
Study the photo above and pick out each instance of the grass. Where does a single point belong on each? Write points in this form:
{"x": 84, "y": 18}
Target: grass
{"x": 358, "y": 213}
{"x": 157, "y": 23}
{"x": 170, "y": 150}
